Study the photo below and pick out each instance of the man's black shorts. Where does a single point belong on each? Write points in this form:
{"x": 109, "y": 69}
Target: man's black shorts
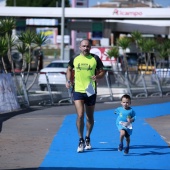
{"x": 89, "y": 101}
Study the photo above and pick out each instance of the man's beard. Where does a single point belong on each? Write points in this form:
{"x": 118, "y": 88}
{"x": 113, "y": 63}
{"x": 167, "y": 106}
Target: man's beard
{"x": 86, "y": 52}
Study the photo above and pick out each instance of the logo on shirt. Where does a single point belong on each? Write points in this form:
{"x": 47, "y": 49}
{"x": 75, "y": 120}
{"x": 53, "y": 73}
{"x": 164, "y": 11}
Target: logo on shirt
{"x": 89, "y": 68}
{"x": 84, "y": 66}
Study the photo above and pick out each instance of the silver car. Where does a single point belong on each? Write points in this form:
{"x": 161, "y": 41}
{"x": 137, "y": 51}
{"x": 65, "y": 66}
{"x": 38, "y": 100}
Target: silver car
{"x": 55, "y": 72}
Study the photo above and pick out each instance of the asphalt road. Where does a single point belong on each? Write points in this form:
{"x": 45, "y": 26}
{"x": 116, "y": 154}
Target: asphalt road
{"x": 27, "y": 134}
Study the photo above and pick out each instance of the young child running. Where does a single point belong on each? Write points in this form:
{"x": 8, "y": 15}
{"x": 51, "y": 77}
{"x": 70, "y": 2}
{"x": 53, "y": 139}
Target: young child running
{"x": 126, "y": 116}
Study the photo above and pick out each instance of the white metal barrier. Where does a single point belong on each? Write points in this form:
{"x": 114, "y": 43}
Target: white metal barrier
{"x": 20, "y": 88}
{"x": 110, "y": 88}
{"x": 163, "y": 76}
{"x": 135, "y": 84}
{"x": 61, "y": 88}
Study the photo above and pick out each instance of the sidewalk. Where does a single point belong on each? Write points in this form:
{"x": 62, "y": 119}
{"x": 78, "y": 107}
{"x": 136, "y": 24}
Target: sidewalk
{"x": 148, "y": 150}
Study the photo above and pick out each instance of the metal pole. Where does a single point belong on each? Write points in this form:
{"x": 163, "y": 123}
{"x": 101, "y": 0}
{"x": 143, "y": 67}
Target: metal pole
{"x": 49, "y": 88}
{"x": 62, "y": 29}
{"x": 25, "y": 90}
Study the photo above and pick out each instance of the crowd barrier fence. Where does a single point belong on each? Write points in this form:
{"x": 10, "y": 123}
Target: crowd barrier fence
{"x": 110, "y": 88}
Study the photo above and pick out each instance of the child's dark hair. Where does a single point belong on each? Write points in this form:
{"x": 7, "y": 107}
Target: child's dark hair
{"x": 126, "y": 96}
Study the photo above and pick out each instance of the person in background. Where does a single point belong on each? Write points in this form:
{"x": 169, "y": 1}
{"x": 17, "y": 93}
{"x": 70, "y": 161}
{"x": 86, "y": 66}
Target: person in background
{"x": 88, "y": 68}
{"x": 126, "y": 116}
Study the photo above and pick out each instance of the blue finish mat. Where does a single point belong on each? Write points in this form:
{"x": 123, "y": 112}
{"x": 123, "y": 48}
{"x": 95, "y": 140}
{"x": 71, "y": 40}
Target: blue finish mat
{"x": 147, "y": 149}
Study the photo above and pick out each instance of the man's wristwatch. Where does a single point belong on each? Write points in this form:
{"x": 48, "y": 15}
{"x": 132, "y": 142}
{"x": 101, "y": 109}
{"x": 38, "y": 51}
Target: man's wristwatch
{"x": 68, "y": 81}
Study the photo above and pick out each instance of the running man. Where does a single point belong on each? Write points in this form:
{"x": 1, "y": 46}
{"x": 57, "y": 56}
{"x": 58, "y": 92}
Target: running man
{"x": 87, "y": 69}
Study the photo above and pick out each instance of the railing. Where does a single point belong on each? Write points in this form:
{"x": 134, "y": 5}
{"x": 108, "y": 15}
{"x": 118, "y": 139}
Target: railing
{"x": 61, "y": 88}
{"x": 110, "y": 88}
{"x": 137, "y": 85}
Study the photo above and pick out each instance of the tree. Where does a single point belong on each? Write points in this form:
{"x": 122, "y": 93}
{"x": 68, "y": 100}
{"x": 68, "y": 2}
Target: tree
{"x": 147, "y": 46}
{"x": 114, "y": 52}
{"x": 124, "y": 43}
{"x": 6, "y": 27}
{"x": 37, "y": 3}
{"x": 25, "y": 44}
{"x": 136, "y": 36}
{"x": 163, "y": 51}
{"x": 3, "y": 52}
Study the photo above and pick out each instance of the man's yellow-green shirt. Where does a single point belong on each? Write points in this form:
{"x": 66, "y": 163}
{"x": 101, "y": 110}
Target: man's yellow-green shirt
{"x": 84, "y": 68}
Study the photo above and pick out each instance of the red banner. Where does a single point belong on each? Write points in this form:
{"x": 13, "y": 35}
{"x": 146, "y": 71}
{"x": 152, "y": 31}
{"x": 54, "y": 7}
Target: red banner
{"x": 102, "y": 53}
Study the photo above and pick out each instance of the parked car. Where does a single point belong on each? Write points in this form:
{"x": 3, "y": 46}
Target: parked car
{"x": 56, "y": 72}
{"x": 163, "y": 75}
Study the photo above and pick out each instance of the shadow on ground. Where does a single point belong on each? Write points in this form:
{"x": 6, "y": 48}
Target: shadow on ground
{"x": 5, "y": 116}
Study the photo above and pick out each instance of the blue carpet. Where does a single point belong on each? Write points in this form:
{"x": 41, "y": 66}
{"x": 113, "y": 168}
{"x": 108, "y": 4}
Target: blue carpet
{"x": 148, "y": 150}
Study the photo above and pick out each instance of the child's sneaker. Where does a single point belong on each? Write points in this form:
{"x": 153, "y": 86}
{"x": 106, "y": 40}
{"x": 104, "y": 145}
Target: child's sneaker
{"x": 120, "y": 148}
{"x": 81, "y": 145}
{"x": 126, "y": 151}
{"x": 87, "y": 143}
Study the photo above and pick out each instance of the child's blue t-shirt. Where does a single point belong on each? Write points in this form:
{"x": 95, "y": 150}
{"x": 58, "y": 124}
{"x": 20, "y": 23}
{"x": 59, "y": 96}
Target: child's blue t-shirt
{"x": 123, "y": 114}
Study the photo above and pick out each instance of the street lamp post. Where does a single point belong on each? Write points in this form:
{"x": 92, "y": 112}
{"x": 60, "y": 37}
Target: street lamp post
{"x": 14, "y": 2}
{"x": 62, "y": 30}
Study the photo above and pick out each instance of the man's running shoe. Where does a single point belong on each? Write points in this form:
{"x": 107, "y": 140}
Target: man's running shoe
{"x": 120, "y": 148}
{"x": 81, "y": 145}
{"x": 87, "y": 143}
{"x": 126, "y": 151}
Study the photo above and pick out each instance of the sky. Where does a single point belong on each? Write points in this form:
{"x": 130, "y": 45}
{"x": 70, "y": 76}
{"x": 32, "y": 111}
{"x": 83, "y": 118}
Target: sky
{"x": 164, "y": 3}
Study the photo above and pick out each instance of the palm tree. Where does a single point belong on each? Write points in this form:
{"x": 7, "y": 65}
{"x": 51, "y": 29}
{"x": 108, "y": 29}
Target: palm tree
{"x": 114, "y": 52}
{"x": 39, "y": 40}
{"x": 3, "y": 51}
{"x": 129, "y": 78}
{"x": 146, "y": 46}
{"x": 149, "y": 47}
{"x": 25, "y": 44}
{"x": 124, "y": 44}
{"x": 163, "y": 51}
{"x": 22, "y": 49}
{"x": 27, "y": 38}
{"x": 6, "y": 27}
{"x": 29, "y": 41}
{"x": 136, "y": 36}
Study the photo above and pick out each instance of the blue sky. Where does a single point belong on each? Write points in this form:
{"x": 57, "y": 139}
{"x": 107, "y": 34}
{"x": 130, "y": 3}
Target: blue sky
{"x": 164, "y": 3}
